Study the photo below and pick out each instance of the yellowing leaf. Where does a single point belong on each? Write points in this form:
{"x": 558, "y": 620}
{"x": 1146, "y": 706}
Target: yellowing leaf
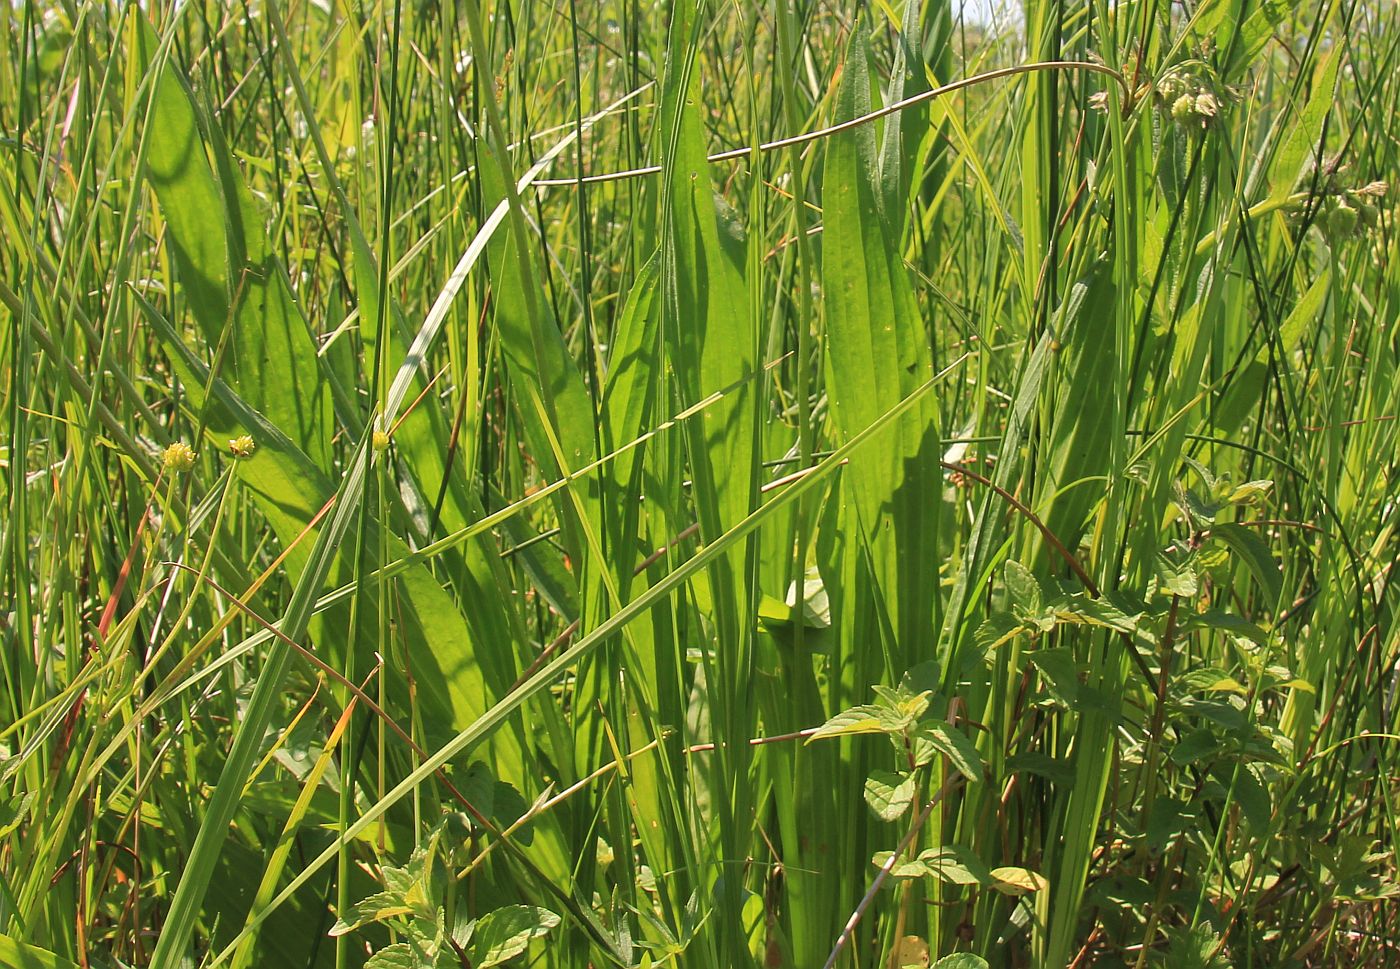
{"x": 1017, "y": 881}
{"x": 911, "y": 951}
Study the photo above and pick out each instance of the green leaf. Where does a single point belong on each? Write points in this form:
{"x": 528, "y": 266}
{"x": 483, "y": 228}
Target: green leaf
{"x": 1023, "y": 591}
{"x": 1228, "y": 712}
{"x": 952, "y": 864}
{"x": 867, "y": 718}
{"x": 1229, "y": 622}
{"x": 888, "y": 794}
{"x": 227, "y": 268}
{"x": 1123, "y": 892}
{"x": 1200, "y": 511}
{"x": 506, "y": 932}
{"x": 1250, "y": 492}
{"x": 1041, "y": 765}
{"x": 1249, "y": 790}
{"x": 1198, "y": 744}
{"x": 1176, "y": 578}
{"x": 956, "y": 746}
{"x": 1169, "y": 818}
{"x": 375, "y": 908}
{"x": 906, "y": 707}
{"x": 13, "y": 811}
{"x": 1242, "y": 396}
{"x": 904, "y": 130}
{"x": 960, "y": 960}
{"x": 1086, "y": 434}
{"x": 955, "y": 864}
{"x": 710, "y": 342}
{"x": 400, "y": 955}
{"x": 925, "y": 678}
{"x": 1256, "y": 31}
{"x": 1198, "y": 948}
{"x": 1248, "y": 545}
{"x": 878, "y": 352}
{"x": 21, "y": 955}
{"x": 1060, "y": 673}
{"x": 1104, "y": 611}
{"x": 996, "y": 630}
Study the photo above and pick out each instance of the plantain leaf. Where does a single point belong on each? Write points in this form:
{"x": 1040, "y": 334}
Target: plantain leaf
{"x": 877, "y": 352}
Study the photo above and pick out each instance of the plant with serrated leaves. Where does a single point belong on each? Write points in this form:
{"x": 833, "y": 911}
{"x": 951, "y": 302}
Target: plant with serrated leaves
{"x": 418, "y": 903}
{"x": 925, "y": 739}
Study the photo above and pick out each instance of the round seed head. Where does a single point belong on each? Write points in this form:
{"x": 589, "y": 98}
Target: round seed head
{"x": 1341, "y": 221}
{"x": 242, "y": 447}
{"x": 178, "y": 457}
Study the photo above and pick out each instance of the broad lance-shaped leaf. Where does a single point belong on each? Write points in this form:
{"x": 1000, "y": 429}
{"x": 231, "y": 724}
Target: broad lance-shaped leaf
{"x": 878, "y": 351}
{"x": 290, "y": 491}
{"x": 231, "y": 279}
{"x": 1086, "y": 408}
{"x": 711, "y": 345}
{"x": 708, "y": 336}
{"x": 276, "y": 365}
{"x": 629, "y": 403}
{"x": 547, "y": 383}
{"x": 904, "y": 130}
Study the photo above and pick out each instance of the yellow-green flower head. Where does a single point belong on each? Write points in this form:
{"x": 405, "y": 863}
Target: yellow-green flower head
{"x": 1183, "y": 107}
{"x": 178, "y": 457}
{"x": 380, "y": 440}
{"x": 242, "y": 446}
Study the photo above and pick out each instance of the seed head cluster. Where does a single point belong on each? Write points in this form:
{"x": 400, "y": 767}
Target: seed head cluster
{"x": 242, "y": 447}
{"x": 178, "y": 457}
{"x": 1192, "y": 96}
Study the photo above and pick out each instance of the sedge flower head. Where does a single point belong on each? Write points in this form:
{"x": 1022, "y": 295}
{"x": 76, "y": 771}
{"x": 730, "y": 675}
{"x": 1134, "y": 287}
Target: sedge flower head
{"x": 242, "y": 446}
{"x": 178, "y": 457}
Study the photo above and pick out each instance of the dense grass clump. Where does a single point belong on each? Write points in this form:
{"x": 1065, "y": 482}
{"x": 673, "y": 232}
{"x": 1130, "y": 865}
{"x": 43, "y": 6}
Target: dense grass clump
{"x": 789, "y": 484}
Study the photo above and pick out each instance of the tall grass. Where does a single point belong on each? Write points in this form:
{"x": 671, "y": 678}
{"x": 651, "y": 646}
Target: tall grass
{"x": 602, "y": 422}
